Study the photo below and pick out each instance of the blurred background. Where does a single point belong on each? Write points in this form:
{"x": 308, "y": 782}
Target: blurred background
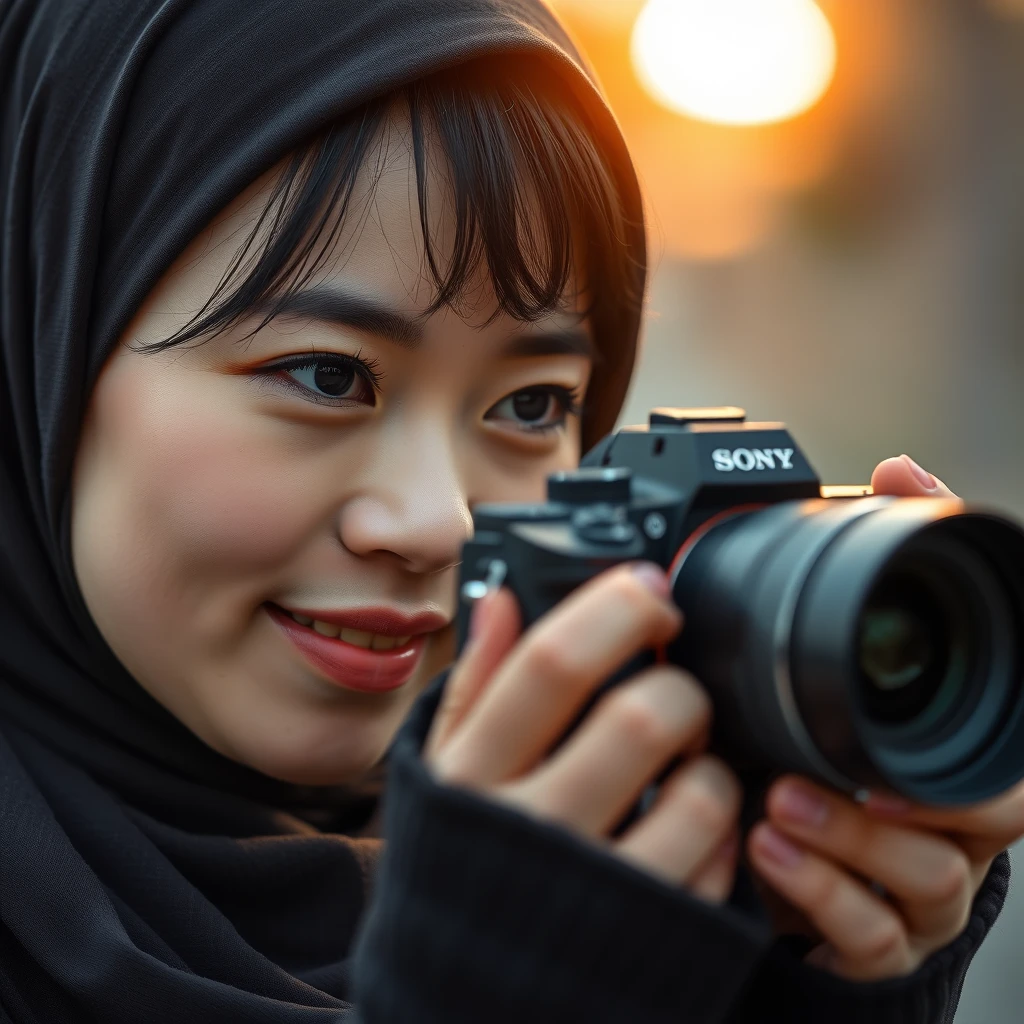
{"x": 836, "y": 195}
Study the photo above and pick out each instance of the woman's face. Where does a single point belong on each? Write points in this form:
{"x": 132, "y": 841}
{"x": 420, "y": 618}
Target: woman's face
{"x": 219, "y": 487}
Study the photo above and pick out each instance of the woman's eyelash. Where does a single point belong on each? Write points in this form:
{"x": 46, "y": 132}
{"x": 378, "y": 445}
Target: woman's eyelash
{"x": 367, "y": 368}
{"x": 570, "y": 397}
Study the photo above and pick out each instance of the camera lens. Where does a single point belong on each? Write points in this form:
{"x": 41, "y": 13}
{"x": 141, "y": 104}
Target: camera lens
{"x": 870, "y": 642}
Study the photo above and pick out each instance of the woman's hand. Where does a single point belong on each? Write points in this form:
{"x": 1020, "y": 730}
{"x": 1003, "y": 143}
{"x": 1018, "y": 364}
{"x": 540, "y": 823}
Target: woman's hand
{"x": 816, "y": 848}
{"x": 509, "y": 699}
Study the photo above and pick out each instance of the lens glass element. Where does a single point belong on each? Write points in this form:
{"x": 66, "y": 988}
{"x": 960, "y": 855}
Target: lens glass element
{"x": 912, "y": 646}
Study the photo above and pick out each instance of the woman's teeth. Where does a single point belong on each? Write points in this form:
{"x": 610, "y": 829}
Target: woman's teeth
{"x": 371, "y": 641}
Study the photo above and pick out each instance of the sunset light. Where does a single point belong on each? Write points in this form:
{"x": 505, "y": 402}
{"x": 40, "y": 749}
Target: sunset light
{"x": 734, "y": 61}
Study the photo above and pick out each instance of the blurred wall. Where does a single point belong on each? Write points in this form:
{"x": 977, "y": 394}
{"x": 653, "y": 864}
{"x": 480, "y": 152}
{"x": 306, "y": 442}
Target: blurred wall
{"x": 858, "y": 273}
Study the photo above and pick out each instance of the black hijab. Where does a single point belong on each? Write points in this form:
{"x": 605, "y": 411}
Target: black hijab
{"x": 142, "y": 875}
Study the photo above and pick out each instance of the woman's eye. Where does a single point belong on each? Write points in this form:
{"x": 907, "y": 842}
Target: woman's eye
{"x": 327, "y": 379}
{"x": 538, "y": 409}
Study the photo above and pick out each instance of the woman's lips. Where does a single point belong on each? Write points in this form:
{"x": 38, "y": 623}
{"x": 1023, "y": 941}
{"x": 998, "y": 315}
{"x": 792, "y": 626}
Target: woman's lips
{"x": 357, "y": 668}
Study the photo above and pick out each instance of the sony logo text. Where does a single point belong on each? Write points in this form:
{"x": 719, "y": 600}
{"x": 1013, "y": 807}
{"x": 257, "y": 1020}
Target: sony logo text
{"x": 746, "y": 459}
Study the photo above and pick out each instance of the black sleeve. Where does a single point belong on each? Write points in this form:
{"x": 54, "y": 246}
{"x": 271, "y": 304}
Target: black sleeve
{"x": 786, "y": 990}
{"x": 484, "y": 914}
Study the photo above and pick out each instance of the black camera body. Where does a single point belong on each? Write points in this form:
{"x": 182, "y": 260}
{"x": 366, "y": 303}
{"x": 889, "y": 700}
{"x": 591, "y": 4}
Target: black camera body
{"x": 869, "y": 642}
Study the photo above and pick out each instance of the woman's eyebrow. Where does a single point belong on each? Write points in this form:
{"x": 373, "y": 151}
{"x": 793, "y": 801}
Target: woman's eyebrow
{"x": 346, "y": 309}
{"x": 572, "y": 341}
{"x": 349, "y": 309}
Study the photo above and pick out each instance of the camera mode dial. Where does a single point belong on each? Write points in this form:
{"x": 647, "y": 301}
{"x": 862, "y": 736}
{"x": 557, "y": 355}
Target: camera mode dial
{"x": 603, "y": 524}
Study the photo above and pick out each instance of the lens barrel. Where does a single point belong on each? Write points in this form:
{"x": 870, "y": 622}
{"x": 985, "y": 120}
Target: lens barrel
{"x": 870, "y": 642}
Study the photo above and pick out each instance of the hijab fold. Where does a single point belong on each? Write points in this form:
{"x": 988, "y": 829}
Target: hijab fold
{"x": 144, "y": 876}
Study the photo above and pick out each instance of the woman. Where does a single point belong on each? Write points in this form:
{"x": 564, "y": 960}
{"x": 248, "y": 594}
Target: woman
{"x": 286, "y": 289}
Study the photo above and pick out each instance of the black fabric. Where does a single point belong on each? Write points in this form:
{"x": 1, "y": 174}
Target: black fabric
{"x": 784, "y": 990}
{"x": 483, "y": 914}
{"x": 142, "y": 875}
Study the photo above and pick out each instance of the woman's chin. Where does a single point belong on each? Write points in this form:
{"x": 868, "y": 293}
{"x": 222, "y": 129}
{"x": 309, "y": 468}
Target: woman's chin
{"x": 267, "y": 709}
{"x": 331, "y": 763}
{"x": 290, "y": 733}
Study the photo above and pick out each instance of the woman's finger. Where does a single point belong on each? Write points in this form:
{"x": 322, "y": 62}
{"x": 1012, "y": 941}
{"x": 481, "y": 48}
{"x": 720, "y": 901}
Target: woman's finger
{"x": 927, "y": 876}
{"x": 557, "y": 665}
{"x": 714, "y": 881}
{"x": 636, "y": 729}
{"x": 694, "y": 814}
{"x": 867, "y": 935}
{"x": 902, "y": 477}
{"x": 981, "y": 830}
{"x": 495, "y": 628}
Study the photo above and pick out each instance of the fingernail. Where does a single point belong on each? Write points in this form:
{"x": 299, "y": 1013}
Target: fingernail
{"x": 778, "y": 848}
{"x": 801, "y": 805}
{"x": 882, "y": 803}
{"x": 652, "y": 576}
{"x": 923, "y": 476}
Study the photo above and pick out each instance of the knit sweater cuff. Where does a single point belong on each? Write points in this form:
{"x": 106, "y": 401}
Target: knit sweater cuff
{"x": 787, "y": 989}
{"x": 479, "y": 908}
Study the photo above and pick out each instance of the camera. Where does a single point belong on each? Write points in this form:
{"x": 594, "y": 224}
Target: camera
{"x": 869, "y": 642}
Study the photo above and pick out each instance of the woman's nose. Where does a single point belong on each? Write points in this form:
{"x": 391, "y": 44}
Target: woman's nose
{"x": 410, "y": 503}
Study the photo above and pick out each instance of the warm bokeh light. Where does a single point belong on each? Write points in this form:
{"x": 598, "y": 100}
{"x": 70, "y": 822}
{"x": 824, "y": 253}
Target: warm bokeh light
{"x": 734, "y": 61}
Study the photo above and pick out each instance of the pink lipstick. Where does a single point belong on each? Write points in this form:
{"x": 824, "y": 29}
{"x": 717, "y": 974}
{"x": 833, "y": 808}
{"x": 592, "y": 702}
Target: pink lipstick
{"x": 353, "y": 663}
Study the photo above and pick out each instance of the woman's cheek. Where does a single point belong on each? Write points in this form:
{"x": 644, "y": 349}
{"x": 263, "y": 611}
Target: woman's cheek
{"x": 233, "y": 508}
{"x": 188, "y": 506}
